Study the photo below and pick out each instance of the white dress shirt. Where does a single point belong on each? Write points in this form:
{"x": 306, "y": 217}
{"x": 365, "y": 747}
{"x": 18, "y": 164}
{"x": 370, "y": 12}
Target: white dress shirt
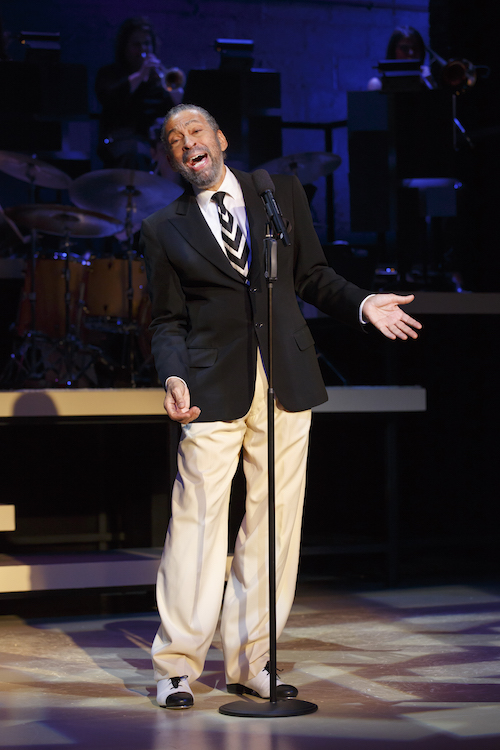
{"x": 233, "y": 201}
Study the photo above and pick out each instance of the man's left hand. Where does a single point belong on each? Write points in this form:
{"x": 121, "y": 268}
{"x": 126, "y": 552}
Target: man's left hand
{"x": 383, "y": 311}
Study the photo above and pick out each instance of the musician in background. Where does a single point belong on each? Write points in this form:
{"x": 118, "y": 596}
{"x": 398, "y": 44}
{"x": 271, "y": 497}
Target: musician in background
{"x": 406, "y": 43}
{"x": 133, "y": 91}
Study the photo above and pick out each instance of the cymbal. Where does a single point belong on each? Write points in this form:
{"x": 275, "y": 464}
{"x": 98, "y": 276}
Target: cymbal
{"x": 31, "y": 169}
{"x": 64, "y": 220}
{"x": 109, "y": 190}
{"x": 308, "y": 166}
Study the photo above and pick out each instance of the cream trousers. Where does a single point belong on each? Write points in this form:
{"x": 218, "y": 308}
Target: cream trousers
{"x": 190, "y": 584}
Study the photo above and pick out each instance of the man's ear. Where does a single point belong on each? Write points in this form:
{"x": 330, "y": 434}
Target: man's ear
{"x": 222, "y": 140}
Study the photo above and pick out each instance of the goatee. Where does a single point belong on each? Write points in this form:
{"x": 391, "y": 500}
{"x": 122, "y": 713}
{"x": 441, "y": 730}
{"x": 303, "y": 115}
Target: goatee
{"x": 206, "y": 177}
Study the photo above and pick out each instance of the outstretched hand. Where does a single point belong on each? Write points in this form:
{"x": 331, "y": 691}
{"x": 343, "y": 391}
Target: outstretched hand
{"x": 177, "y": 402}
{"x": 384, "y": 312}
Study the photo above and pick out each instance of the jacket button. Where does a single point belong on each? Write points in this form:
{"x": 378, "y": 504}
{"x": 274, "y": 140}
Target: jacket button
{"x": 259, "y": 325}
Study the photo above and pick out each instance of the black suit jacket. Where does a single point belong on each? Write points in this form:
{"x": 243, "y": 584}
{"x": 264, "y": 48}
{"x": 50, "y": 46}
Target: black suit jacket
{"x": 208, "y": 322}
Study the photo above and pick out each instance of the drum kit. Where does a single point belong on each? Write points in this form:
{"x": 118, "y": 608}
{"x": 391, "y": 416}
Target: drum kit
{"x": 308, "y": 166}
{"x": 75, "y": 302}
{"x": 72, "y": 299}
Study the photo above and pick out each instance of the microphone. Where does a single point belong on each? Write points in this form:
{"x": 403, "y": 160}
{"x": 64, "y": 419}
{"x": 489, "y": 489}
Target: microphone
{"x": 265, "y": 188}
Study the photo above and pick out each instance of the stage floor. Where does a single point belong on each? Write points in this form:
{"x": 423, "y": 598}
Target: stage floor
{"x": 401, "y": 668}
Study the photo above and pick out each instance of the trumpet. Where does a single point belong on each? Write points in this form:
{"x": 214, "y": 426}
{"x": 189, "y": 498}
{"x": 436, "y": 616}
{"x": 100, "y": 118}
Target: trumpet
{"x": 174, "y": 78}
{"x": 459, "y": 75}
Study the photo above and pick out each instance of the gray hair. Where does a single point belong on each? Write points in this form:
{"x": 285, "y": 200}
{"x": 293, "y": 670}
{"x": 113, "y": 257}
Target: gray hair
{"x": 185, "y": 108}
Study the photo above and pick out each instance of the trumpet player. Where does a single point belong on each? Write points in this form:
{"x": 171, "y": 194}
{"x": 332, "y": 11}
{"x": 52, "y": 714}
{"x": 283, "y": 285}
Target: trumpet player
{"x": 134, "y": 91}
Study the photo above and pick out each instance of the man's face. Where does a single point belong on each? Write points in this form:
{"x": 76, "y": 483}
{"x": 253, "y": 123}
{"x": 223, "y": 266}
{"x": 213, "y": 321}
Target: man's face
{"x": 138, "y": 46}
{"x": 195, "y": 150}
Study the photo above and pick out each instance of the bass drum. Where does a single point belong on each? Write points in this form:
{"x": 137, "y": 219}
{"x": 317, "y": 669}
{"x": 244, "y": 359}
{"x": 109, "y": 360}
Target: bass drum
{"x": 144, "y": 334}
{"x": 50, "y": 293}
{"x": 106, "y": 297}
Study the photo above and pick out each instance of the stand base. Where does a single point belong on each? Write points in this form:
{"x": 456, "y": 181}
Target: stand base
{"x": 286, "y": 707}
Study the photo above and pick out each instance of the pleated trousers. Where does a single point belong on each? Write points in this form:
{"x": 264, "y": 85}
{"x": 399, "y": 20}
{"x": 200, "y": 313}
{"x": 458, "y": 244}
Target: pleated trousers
{"x": 190, "y": 584}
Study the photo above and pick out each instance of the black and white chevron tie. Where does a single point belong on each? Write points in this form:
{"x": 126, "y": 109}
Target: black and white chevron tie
{"x": 232, "y": 236}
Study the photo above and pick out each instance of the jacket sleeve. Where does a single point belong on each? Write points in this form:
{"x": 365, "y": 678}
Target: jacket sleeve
{"x": 315, "y": 281}
{"x": 169, "y": 313}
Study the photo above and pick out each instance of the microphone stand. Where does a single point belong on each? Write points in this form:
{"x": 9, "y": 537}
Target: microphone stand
{"x": 286, "y": 706}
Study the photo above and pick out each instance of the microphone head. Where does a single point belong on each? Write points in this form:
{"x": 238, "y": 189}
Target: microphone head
{"x": 262, "y": 181}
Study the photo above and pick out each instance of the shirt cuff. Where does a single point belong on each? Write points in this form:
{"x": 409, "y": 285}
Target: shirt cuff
{"x": 178, "y": 378}
{"x": 361, "y": 320}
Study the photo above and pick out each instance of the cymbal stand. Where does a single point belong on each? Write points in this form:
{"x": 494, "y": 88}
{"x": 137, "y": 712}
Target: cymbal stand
{"x": 131, "y": 325}
{"x": 69, "y": 336}
{"x": 32, "y": 333}
{"x": 71, "y": 343}
{"x": 27, "y": 361}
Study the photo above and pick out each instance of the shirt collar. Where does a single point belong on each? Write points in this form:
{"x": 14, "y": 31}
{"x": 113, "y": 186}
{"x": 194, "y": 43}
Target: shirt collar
{"x": 229, "y": 185}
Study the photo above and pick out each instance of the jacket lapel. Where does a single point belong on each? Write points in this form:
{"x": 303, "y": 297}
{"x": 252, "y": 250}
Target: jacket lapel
{"x": 189, "y": 221}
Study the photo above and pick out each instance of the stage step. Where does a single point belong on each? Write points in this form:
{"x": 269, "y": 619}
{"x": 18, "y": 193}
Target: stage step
{"x": 7, "y": 517}
{"x": 81, "y": 570}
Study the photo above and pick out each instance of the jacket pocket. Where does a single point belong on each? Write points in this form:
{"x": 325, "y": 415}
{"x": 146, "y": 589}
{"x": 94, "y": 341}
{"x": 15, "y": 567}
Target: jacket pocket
{"x": 304, "y": 338}
{"x": 202, "y": 357}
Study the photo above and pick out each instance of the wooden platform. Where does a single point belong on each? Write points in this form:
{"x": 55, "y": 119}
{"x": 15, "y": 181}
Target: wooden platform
{"x": 90, "y": 570}
{"x": 82, "y": 402}
{"x": 26, "y": 573}
{"x": 137, "y": 402}
{"x": 7, "y": 518}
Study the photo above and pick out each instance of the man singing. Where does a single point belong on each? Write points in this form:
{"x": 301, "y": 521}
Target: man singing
{"x": 204, "y": 256}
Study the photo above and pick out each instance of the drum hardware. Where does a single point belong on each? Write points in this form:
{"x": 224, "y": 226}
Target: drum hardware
{"x": 71, "y": 331}
{"x": 60, "y": 220}
{"x": 129, "y": 195}
{"x": 130, "y": 329}
{"x": 30, "y": 169}
{"x": 40, "y": 351}
{"x": 125, "y": 197}
{"x": 123, "y": 193}
{"x": 106, "y": 316}
{"x": 308, "y": 166}
{"x": 66, "y": 222}
{"x": 20, "y": 236}
{"x": 33, "y": 170}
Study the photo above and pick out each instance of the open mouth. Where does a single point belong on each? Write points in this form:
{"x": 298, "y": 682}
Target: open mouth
{"x": 198, "y": 161}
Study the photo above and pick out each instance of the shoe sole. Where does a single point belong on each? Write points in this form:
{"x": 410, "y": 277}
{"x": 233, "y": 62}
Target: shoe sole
{"x": 175, "y": 708}
{"x": 237, "y": 689}
{"x": 188, "y": 702}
